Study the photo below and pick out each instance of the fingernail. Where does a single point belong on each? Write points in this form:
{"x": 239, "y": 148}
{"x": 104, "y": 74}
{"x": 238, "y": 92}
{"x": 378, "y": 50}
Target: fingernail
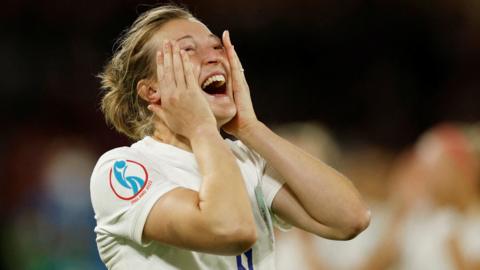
{"x": 182, "y": 52}
{"x": 150, "y": 107}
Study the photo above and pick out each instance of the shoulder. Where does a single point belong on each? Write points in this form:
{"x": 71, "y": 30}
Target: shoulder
{"x": 116, "y": 157}
{"x": 121, "y": 173}
{"x": 125, "y": 152}
{"x": 135, "y": 154}
{"x": 124, "y": 186}
{"x": 125, "y": 176}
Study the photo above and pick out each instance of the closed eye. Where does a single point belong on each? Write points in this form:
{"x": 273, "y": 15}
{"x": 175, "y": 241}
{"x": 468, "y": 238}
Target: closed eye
{"x": 218, "y": 45}
{"x": 189, "y": 49}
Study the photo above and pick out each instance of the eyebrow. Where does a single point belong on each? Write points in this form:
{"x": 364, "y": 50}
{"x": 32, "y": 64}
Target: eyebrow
{"x": 210, "y": 36}
{"x": 184, "y": 37}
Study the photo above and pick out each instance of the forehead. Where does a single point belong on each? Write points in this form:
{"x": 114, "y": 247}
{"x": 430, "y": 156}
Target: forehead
{"x": 178, "y": 28}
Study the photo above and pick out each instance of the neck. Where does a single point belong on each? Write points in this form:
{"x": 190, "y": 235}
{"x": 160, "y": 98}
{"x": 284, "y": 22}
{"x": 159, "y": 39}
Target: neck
{"x": 163, "y": 134}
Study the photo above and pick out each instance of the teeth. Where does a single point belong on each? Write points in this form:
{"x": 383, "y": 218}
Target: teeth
{"x": 215, "y": 78}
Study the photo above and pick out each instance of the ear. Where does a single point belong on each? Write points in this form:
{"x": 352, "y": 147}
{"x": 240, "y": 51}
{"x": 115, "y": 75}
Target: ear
{"x": 148, "y": 91}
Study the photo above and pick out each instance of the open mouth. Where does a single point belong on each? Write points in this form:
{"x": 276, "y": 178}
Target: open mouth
{"x": 215, "y": 85}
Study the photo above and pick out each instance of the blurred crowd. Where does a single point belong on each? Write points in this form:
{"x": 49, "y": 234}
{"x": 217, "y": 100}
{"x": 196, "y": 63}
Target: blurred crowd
{"x": 424, "y": 200}
{"x": 396, "y": 83}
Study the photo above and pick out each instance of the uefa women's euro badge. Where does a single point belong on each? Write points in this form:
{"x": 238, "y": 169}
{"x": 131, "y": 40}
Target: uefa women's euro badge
{"x": 128, "y": 179}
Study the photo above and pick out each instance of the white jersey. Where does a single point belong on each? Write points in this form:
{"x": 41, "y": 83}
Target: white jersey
{"x": 126, "y": 183}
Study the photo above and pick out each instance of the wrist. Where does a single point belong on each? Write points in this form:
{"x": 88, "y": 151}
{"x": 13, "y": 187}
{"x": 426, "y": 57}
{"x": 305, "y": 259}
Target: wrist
{"x": 203, "y": 130}
{"x": 250, "y": 129}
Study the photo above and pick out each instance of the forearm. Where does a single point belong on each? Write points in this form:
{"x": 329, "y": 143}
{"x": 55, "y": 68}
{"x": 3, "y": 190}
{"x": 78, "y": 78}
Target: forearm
{"x": 325, "y": 194}
{"x": 223, "y": 198}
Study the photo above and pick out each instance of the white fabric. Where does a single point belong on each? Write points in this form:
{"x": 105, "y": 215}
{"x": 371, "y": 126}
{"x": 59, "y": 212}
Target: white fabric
{"x": 152, "y": 168}
{"x": 427, "y": 234}
{"x": 270, "y": 187}
{"x": 290, "y": 250}
{"x": 470, "y": 236}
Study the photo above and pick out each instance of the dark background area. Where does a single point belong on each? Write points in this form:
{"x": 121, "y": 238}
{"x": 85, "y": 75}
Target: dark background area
{"x": 372, "y": 71}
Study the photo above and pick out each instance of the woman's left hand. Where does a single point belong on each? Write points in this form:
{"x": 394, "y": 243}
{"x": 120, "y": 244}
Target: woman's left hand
{"x": 245, "y": 117}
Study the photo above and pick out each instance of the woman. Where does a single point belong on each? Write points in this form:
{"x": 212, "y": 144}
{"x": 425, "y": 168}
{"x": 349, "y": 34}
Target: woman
{"x": 182, "y": 197}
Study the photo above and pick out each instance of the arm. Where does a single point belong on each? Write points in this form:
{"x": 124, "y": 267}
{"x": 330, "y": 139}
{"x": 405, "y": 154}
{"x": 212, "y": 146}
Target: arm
{"x": 217, "y": 219}
{"x": 315, "y": 197}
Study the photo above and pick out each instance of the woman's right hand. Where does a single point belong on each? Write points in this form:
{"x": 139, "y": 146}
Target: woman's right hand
{"x": 183, "y": 107}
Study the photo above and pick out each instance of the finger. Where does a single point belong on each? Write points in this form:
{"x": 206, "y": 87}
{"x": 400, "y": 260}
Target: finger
{"x": 188, "y": 69}
{"x": 153, "y": 108}
{"x": 167, "y": 65}
{"x": 156, "y": 109}
{"x": 226, "y": 39}
{"x": 231, "y": 53}
{"x": 228, "y": 46}
{"x": 235, "y": 65}
{"x": 159, "y": 62}
{"x": 178, "y": 67}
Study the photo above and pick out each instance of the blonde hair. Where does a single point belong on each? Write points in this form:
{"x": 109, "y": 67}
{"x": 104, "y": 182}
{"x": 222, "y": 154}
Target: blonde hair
{"x": 131, "y": 62}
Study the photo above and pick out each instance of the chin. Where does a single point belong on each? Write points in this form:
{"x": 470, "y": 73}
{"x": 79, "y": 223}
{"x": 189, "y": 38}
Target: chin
{"x": 224, "y": 115}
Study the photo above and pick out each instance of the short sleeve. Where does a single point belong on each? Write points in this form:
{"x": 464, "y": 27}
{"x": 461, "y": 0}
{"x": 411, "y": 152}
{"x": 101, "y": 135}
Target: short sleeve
{"x": 123, "y": 189}
{"x": 270, "y": 188}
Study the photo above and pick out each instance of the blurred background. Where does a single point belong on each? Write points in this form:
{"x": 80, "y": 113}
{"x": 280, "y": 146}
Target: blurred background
{"x": 369, "y": 79}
